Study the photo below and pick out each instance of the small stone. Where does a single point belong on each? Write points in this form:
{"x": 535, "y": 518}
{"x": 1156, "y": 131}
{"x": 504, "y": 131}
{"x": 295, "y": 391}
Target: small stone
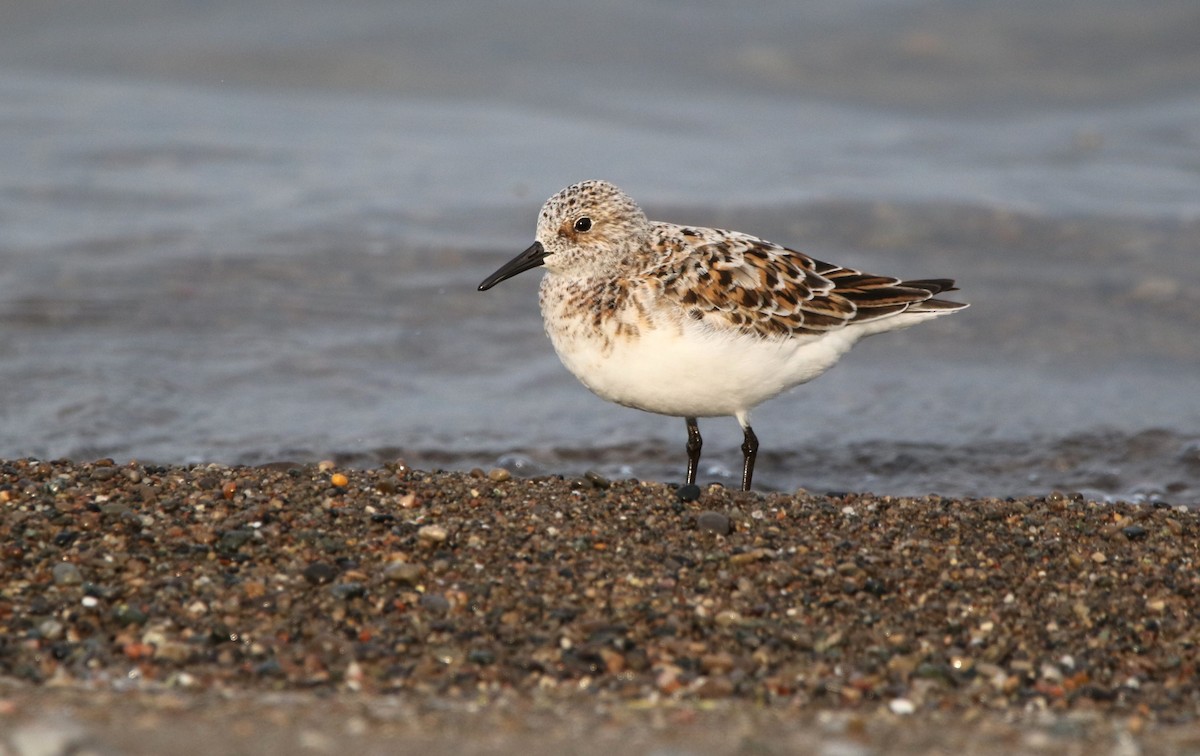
{"x": 720, "y": 663}
{"x": 713, "y": 522}
{"x": 727, "y": 618}
{"x": 66, "y": 573}
{"x": 403, "y": 572}
{"x": 339, "y": 480}
{"x": 172, "y": 651}
{"x": 319, "y": 573}
{"x": 753, "y": 555}
{"x": 432, "y": 534}
{"x": 481, "y": 656}
{"x": 1134, "y": 532}
{"x": 233, "y": 540}
{"x": 597, "y": 480}
{"x": 129, "y": 615}
{"x": 346, "y": 591}
{"x": 499, "y": 475}
{"x": 901, "y": 707}
{"x": 254, "y": 589}
{"x": 830, "y": 641}
{"x": 1098, "y": 557}
{"x": 51, "y": 629}
{"x": 690, "y": 492}
{"x": 435, "y": 603}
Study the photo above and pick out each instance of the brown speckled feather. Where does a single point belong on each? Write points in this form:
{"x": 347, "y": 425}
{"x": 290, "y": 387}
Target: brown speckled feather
{"x": 736, "y": 281}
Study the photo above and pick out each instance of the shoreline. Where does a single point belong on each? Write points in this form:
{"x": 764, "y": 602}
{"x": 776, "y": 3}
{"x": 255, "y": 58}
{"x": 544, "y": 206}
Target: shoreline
{"x": 584, "y": 597}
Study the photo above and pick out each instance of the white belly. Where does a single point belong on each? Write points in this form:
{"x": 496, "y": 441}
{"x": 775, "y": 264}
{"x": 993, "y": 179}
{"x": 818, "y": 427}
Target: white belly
{"x": 696, "y": 372}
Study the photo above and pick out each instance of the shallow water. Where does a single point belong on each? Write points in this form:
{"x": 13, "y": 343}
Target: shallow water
{"x": 244, "y": 232}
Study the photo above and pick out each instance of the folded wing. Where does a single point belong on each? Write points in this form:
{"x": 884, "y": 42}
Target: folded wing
{"x": 735, "y": 281}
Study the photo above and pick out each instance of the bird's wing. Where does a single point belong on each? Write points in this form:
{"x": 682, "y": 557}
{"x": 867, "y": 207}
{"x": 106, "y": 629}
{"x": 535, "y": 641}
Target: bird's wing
{"x": 736, "y": 281}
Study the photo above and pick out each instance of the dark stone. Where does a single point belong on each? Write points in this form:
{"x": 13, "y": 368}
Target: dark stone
{"x": 690, "y": 492}
{"x": 319, "y": 573}
{"x": 481, "y": 656}
{"x": 233, "y": 540}
{"x": 874, "y": 587}
{"x": 1134, "y": 532}
{"x": 347, "y": 591}
{"x": 435, "y": 603}
{"x": 126, "y": 615}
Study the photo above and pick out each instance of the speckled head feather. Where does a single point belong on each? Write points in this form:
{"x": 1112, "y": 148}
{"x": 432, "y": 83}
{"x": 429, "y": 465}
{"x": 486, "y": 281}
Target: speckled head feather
{"x": 591, "y": 229}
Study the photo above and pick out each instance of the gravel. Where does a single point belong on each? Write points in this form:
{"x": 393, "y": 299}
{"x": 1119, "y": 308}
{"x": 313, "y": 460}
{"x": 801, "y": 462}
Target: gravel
{"x": 501, "y": 602}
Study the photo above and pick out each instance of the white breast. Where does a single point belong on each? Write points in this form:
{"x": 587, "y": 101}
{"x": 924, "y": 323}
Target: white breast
{"x": 694, "y": 371}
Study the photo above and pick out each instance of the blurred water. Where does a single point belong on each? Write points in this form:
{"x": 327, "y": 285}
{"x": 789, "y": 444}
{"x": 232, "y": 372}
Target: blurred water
{"x": 240, "y": 232}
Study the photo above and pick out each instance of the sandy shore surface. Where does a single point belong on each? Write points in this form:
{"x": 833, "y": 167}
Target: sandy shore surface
{"x": 310, "y": 609}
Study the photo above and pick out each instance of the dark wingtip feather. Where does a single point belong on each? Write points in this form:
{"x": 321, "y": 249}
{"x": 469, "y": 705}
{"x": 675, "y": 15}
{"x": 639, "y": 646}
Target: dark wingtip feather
{"x": 939, "y": 305}
{"x": 932, "y": 285}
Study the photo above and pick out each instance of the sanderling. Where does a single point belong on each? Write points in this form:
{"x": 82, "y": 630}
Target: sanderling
{"x": 698, "y": 322}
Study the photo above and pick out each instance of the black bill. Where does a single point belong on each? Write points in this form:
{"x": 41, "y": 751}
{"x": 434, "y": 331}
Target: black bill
{"x": 530, "y": 258}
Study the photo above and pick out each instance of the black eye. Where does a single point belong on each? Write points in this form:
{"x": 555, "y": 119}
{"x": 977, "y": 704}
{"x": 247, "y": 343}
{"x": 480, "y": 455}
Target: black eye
{"x": 583, "y": 224}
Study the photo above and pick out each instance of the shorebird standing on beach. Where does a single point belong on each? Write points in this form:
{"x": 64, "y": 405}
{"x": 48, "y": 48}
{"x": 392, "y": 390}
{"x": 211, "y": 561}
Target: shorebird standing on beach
{"x": 698, "y": 322}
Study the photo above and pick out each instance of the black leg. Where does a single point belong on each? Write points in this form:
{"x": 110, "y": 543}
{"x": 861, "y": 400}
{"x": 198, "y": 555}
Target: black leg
{"x": 693, "y": 449}
{"x": 750, "y": 451}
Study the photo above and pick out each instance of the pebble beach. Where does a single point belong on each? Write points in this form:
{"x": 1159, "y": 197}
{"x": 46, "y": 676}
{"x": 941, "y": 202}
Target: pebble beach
{"x": 310, "y": 608}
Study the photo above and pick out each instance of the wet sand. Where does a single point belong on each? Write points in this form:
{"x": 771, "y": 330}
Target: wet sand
{"x": 288, "y": 608}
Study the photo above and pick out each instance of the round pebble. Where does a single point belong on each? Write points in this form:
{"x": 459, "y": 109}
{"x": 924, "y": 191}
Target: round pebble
{"x": 1134, "y": 532}
{"x": 403, "y": 572}
{"x": 432, "y": 534}
{"x": 66, "y": 573}
{"x": 714, "y": 522}
{"x": 597, "y": 480}
{"x": 689, "y": 492}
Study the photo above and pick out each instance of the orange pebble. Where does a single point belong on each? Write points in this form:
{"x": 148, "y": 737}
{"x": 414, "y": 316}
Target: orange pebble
{"x": 339, "y": 480}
